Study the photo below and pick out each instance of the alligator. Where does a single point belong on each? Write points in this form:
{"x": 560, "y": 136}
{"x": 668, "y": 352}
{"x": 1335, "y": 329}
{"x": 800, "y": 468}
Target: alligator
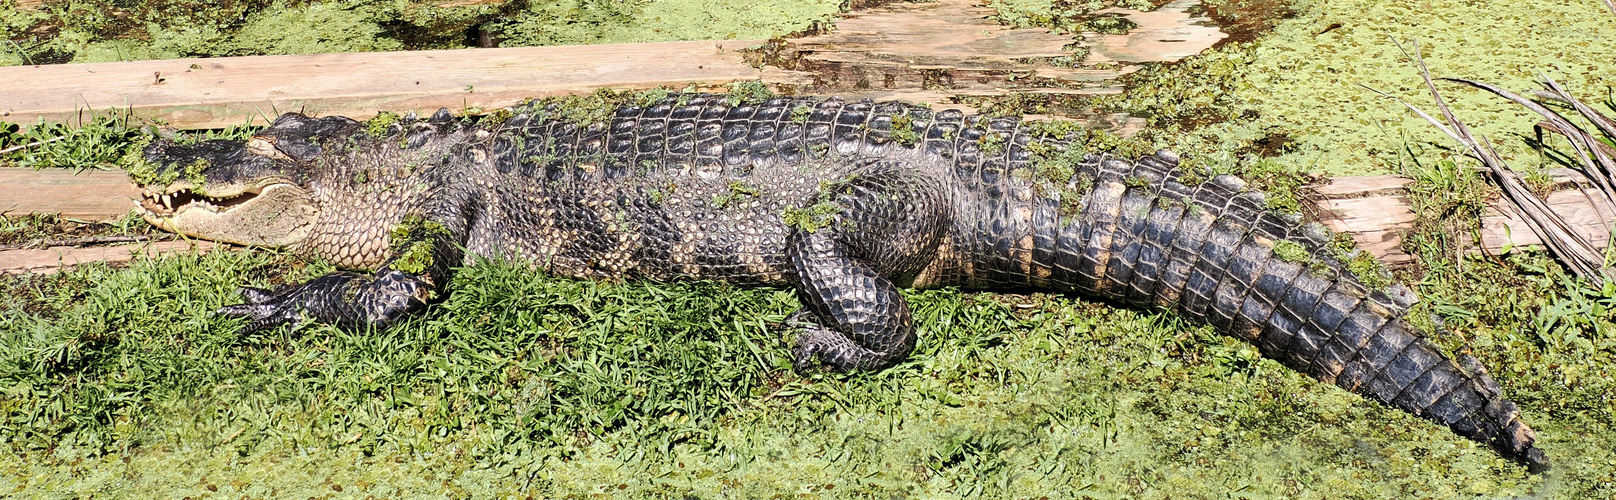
{"x": 845, "y": 202}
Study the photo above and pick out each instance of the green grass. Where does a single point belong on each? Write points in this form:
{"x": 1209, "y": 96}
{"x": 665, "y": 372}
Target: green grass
{"x": 117, "y": 381}
{"x": 518, "y": 382}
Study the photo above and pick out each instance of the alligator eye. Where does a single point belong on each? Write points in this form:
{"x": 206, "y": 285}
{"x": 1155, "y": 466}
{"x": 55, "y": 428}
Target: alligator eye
{"x": 264, "y": 147}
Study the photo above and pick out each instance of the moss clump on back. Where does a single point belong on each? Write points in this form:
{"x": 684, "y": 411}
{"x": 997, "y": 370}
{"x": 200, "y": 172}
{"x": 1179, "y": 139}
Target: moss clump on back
{"x": 822, "y": 213}
{"x": 413, "y": 242}
{"x": 749, "y": 92}
{"x": 595, "y": 107}
{"x": 378, "y": 125}
{"x": 801, "y": 113}
{"x": 1292, "y": 252}
{"x": 497, "y": 117}
{"x": 737, "y": 191}
{"x": 1369, "y": 270}
{"x": 903, "y": 130}
{"x": 812, "y": 217}
{"x": 991, "y": 143}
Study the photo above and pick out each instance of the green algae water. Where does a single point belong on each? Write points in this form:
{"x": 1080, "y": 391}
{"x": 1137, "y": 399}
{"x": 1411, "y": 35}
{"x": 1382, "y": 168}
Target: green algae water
{"x": 93, "y": 31}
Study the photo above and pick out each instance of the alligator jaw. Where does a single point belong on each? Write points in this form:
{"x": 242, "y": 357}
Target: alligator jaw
{"x": 275, "y": 214}
{"x": 181, "y": 196}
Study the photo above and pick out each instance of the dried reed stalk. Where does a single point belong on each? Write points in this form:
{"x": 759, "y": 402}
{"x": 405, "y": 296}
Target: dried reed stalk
{"x": 1594, "y": 160}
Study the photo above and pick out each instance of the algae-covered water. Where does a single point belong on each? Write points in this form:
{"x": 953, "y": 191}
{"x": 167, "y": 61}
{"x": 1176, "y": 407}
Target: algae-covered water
{"x": 99, "y": 31}
{"x": 119, "y": 382}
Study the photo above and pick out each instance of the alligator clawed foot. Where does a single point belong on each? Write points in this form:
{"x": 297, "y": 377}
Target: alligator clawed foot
{"x": 265, "y": 308}
{"x": 805, "y": 354}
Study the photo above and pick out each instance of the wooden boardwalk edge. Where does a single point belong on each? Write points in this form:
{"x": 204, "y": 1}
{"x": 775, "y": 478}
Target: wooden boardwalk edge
{"x": 1372, "y": 209}
{"x": 223, "y": 92}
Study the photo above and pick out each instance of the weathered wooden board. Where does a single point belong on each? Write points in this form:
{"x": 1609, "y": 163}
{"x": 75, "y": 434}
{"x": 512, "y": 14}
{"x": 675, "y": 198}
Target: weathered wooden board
{"x": 1585, "y": 210}
{"x": 920, "y": 50}
{"x": 1375, "y": 222}
{"x": 1373, "y": 210}
{"x": 957, "y": 44}
{"x": 221, "y": 92}
{"x": 1166, "y": 34}
{"x": 53, "y": 259}
{"x": 91, "y": 195}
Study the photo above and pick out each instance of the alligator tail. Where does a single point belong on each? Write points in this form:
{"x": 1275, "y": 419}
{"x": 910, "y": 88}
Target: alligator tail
{"x": 1215, "y": 252}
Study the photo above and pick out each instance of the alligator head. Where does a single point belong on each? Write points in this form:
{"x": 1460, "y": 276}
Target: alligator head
{"x": 253, "y": 192}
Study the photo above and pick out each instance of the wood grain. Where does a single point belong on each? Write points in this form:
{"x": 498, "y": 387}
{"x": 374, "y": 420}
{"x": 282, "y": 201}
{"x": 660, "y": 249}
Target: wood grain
{"x": 221, "y": 92}
{"x": 91, "y": 195}
{"x": 53, "y": 259}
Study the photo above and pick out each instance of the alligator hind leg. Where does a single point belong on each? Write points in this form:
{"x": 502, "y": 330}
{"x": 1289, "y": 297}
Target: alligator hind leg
{"x": 886, "y": 228}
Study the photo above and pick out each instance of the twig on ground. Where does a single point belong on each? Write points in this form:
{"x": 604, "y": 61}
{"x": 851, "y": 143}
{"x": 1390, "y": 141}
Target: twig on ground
{"x": 75, "y": 242}
{"x": 31, "y": 144}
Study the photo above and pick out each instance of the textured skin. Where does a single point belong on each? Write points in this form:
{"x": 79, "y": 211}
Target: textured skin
{"x": 694, "y": 188}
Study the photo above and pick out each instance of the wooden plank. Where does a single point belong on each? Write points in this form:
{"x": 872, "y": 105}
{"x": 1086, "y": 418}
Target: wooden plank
{"x": 1585, "y": 210}
{"x": 53, "y": 259}
{"x": 213, "y": 93}
{"x": 957, "y": 45}
{"x": 1358, "y": 187}
{"x": 952, "y": 45}
{"x": 1167, "y": 34}
{"x": 91, "y": 195}
{"x": 1375, "y": 223}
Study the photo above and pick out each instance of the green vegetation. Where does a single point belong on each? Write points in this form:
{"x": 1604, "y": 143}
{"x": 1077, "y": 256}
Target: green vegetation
{"x": 991, "y": 143}
{"x": 749, "y": 92}
{"x": 519, "y": 383}
{"x": 87, "y": 31}
{"x": 1066, "y": 16}
{"x": 801, "y": 113}
{"x": 903, "y": 130}
{"x": 43, "y": 230}
{"x": 736, "y": 192}
{"x": 117, "y": 379}
{"x": 102, "y": 141}
{"x": 412, "y": 242}
{"x": 378, "y": 125}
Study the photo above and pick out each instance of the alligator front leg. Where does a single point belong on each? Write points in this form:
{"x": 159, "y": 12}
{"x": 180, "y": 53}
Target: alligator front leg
{"x": 864, "y": 232}
{"x": 418, "y": 269}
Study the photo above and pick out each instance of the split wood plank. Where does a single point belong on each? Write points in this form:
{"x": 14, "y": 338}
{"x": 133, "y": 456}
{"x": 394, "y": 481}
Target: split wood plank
{"x": 90, "y": 195}
{"x": 1375, "y": 212}
{"x": 959, "y": 45}
{"x": 950, "y": 45}
{"x": 226, "y": 91}
{"x": 53, "y": 259}
{"x": 1376, "y": 223}
{"x": 1166, "y": 34}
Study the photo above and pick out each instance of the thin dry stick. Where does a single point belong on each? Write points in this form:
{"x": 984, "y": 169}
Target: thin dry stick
{"x": 1585, "y": 260}
{"x": 1589, "y": 150}
{"x": 1595, "y": 158}
{"x": 31, "y": 144}
{"x": 76, "y": 242}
